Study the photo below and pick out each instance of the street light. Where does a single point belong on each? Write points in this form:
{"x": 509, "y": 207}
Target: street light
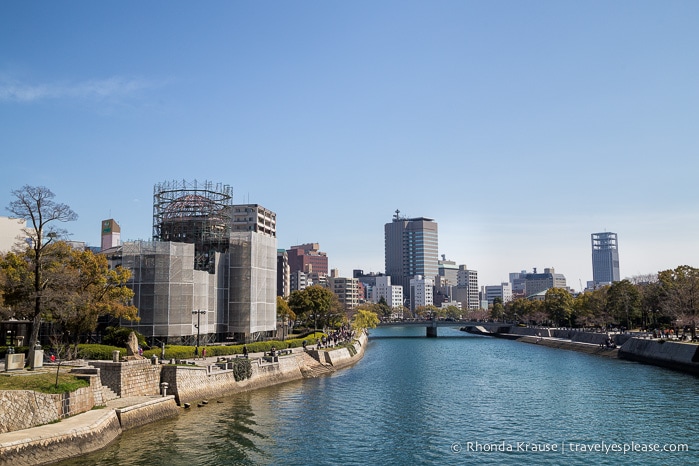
{"x": 198, "y": 312}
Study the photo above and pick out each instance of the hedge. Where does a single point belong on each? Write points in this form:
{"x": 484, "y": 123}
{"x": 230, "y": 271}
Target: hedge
{"x": 104, "y": 352}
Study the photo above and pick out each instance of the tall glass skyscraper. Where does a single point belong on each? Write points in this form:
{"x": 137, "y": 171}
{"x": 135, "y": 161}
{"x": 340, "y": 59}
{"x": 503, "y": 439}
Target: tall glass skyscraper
{"x": 411, "y": 248}
{"x": 605, "y": 258}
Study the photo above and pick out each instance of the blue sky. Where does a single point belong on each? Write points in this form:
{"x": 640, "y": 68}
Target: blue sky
{"x": 521, "y": 127}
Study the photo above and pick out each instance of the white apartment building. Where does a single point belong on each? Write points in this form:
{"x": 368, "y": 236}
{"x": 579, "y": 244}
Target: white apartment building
{"x": 393, "y": 294}
{"x": 421, "y": 293}
{"x": 466, "y": 291}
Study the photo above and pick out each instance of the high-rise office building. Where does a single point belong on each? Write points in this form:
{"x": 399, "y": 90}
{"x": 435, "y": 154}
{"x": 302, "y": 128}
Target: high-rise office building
{"x": 605, "y": 258}
{"x": 411, "y": 248}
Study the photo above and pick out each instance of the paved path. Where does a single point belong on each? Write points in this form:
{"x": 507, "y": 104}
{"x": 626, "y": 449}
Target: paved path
{"x": 72, "y": 424}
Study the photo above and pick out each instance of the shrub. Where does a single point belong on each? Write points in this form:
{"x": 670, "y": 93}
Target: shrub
{"x": 99, "y": 352}
{"x": 104, "y": 352}
{"x": 18, "y": 349}
{"x": 119, "y": 336}
{"x": 242, "y": 369}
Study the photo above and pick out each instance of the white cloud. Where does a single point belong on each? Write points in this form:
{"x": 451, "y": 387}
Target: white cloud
{"x": 99, "y": 89}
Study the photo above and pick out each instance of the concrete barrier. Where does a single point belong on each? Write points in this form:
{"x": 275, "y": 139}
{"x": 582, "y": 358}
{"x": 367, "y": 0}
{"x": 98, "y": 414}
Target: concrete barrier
{"x": 670, "y": 354}
{"x": 530, "y": 331}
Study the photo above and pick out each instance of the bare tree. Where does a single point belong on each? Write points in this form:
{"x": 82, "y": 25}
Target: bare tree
{"x": 35, "y": 204}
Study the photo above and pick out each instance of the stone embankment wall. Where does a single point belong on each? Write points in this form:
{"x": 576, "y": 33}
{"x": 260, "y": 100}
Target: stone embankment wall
{"x": 145, "y": 413}
{"x": 130, "y": 378}
{"x": 670, "y": 354}
{"x": 189, "y": 384}
{"x": 343, "y": 357}
{"x": 22, "y": 409}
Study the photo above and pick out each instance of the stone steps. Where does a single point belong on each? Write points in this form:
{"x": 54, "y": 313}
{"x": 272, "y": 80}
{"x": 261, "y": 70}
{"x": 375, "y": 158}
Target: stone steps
{"x": 311, "y": 372}
{"x": 108, "y": 394}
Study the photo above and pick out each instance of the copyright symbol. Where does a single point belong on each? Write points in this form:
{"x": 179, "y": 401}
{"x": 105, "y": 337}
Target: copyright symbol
{"x": 456, "y": 447}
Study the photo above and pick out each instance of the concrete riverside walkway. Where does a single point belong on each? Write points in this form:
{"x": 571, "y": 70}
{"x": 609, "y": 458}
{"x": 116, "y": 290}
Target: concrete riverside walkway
{"x": 72, "y": 436}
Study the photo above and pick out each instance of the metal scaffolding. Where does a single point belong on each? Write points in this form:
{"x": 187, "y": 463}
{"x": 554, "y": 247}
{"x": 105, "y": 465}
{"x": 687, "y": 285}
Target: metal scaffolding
{"x": 192, "y": 212}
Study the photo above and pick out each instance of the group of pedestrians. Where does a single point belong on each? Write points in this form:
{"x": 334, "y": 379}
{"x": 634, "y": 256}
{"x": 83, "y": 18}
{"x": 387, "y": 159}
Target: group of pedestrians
{"x": 333, "y": 338}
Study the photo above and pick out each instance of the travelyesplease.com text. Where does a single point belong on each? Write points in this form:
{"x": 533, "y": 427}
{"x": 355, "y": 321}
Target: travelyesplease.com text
{"x": 567, "y": 447}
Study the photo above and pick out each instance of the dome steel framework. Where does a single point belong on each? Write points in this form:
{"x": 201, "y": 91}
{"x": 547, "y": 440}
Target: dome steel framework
{"x": 193, "y": 212}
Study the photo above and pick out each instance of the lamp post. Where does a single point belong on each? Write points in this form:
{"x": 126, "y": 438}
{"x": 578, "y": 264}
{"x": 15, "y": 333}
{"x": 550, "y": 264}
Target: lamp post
{"x": 198, "y": 312}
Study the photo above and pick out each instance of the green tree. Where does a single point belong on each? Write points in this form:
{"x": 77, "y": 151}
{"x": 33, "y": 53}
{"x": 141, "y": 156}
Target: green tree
{"x": 35, "y": 204}
{"x": 78, "y": 288}
{"x": 316, "y": 306}
{"x": 283, "y": 309}
{"x": 559, "y": 305}
{"x": 651, "y": 292}
{"x": 497, "y": 312}
{"x": 624, "y": 303}
{"x": 587, "y": 308}
{"x": 680, "y": 295}
{"x": 364, "y": 319}
{"x": 519, "y": 309}
{"x": 538, "y": 312}
{"x": 90, "y": 290}
{"x": 383, "y": 309}
{"x": 453, "y": 312}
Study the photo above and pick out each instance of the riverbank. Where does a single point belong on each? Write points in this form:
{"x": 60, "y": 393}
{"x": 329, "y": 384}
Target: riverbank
{"x": 670, "y": 354}
{"x": 550, "y": 342}
{"x": 95, "y": 429}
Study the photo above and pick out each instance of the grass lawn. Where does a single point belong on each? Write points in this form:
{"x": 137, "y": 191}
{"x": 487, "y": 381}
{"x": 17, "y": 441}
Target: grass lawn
{"x": 44, "y": 382}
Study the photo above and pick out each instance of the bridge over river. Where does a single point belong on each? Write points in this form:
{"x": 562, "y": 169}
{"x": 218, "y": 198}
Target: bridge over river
{"x": 431, "y": 326}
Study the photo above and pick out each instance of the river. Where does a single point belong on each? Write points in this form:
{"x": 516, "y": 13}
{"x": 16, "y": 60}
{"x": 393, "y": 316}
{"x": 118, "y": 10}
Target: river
{"x": 455, "y": 399}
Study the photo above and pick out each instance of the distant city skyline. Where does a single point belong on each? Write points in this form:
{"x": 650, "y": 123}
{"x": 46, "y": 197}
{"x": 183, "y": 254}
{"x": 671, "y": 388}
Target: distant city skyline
{"x": 521, "y": 128}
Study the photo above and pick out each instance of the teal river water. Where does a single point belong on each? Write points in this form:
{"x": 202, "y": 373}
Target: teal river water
{"x": 456, "y": 399}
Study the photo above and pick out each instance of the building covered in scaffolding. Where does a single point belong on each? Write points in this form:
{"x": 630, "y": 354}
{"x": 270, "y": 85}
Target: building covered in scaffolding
{"x": 209, "y": 273}
{"x": 197, "y": 213}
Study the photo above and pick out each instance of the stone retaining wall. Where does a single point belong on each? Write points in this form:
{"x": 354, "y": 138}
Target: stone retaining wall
{"x": 343, "y": 357}
{"x": 130, "y": 378}
{"x": 22, "y": 409}
{"x": 188, "y": 384}
{"x": 145, "y": 413}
